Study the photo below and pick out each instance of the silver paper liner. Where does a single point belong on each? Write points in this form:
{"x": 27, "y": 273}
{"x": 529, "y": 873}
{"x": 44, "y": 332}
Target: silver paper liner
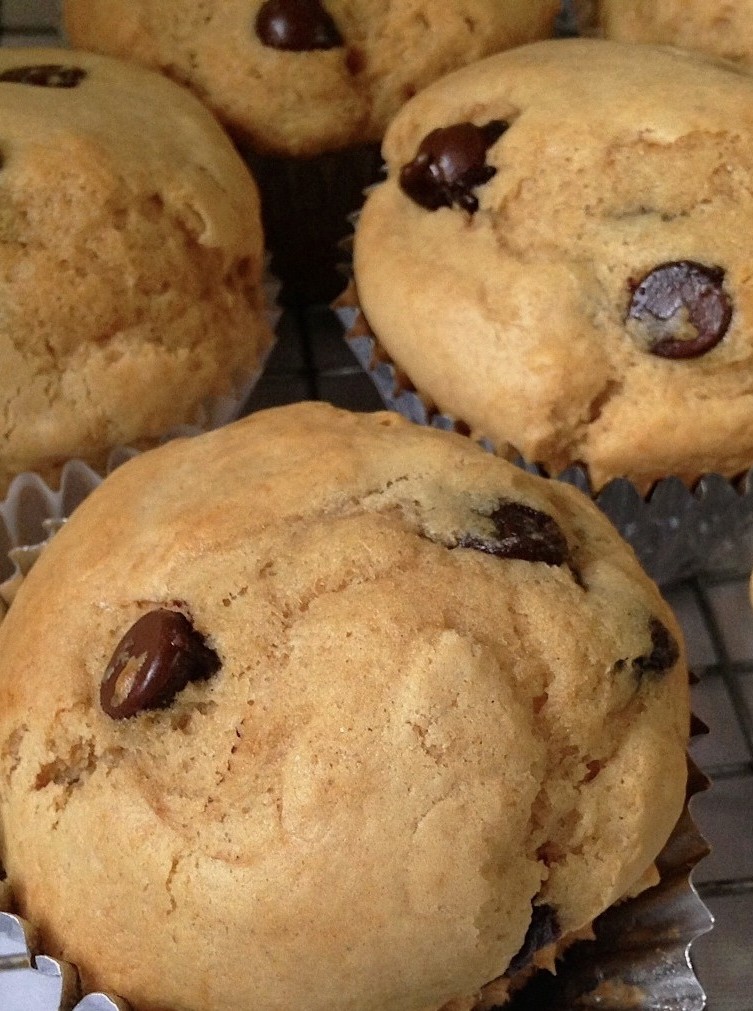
{"x": 675, "y": 531}
{"x": 639, "y": 960}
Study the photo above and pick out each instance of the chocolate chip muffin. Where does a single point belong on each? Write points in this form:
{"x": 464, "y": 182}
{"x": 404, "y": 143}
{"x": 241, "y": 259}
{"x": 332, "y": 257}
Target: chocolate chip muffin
{"x": 298, "y": 77}
{"x": 722, "y": 29}
{"x": 558, "y": 257}
{"x": 360, "y": 719}
{"x": 131, "y": 257}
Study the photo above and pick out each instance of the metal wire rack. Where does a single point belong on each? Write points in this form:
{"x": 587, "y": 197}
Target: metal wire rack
{"x": 311, "y": 361}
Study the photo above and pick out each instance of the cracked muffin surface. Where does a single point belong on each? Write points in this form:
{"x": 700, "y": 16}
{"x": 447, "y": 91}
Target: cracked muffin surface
{"x": 359, "y": 719}
{"x": 298, "y": 77}
{"x": 131, "y": 258}
{"x": 558, "y": 257}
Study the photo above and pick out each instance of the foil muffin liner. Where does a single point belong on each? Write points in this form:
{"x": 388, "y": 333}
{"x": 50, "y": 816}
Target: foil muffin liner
{"x": 675, "y": 530}
{"x": 639, "y": 960}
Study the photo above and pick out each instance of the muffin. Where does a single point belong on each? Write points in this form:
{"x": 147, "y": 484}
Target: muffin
{"x": 307, "y": 87}
{"x": 386, "y": 714}
{"x": 131, "y": 258}
{"x": 558, "y": 257}
{"x": 723, "y": 29}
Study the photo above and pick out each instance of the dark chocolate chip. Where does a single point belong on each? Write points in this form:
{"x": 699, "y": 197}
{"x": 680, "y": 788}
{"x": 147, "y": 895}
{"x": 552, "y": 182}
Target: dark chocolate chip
{"x": 296, "y": 25}
{"x": 543, "y": 930}
{"x": 683, "y": 308}
{"x": 663, "y": 656}
{"x": 155, "y": 659}
{"x": 521, "y": 532}
{"x": 449, "y": 164}
{"x": 50, "y": 75}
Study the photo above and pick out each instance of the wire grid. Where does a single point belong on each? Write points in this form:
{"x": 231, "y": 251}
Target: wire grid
{"x": 311, "y": 361}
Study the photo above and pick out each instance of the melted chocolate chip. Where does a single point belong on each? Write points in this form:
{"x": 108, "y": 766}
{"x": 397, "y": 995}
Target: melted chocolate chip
{"x": 449, "y": 164}
{"x": 521, "y": 532}
{"x": 51, "y": 75}
{"x": 543, "y": 930}
{"x": 155, "y": 659}
{"x": 683, "y": 308}
{"x": 296, "y": 25}
{"x": 663, "y": 656}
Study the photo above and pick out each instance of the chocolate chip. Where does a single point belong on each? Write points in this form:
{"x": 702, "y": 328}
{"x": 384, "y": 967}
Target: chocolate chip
{"x": 296, "y": 25}
{"x": 449, "y": 164}
{"x": 520, "y": 532}
{"x": 682, "y": 307}
{"x": 155, "y": 659}
{"x": 49, "y": 75}
{"x": 663, "y": 656}
{"x": 543, "y": 930}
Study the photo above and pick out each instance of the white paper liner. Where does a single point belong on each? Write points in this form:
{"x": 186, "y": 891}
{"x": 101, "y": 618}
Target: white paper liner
{"x": 675, "y": 531}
